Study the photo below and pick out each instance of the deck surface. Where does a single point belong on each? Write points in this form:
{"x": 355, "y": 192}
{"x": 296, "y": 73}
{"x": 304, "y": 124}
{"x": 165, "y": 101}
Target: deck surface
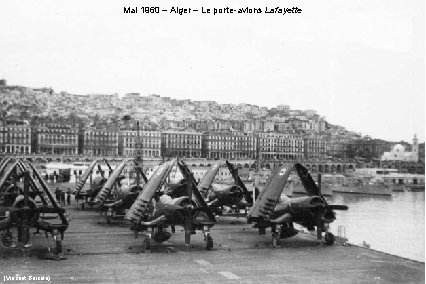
{"x": 100, "y": 253}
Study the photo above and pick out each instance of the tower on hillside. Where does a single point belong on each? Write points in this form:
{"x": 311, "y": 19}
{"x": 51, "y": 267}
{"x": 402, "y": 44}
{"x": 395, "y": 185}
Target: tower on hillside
{"x": 415, "y": 153}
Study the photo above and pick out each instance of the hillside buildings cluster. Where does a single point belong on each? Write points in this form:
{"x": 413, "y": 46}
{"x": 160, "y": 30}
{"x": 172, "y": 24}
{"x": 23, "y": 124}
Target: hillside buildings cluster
{"x": 45, "y": 122}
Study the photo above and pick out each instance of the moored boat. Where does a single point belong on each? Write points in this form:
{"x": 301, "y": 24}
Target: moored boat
{"x": 358, "y": 185}
{"x": 415, "y": 187}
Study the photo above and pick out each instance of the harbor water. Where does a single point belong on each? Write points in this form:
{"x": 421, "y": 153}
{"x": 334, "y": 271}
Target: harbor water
{"x": 393, "y": 224}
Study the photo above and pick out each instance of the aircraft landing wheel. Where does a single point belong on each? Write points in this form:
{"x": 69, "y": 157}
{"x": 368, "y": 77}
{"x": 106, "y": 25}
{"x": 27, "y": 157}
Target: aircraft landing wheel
{"x": 209, "y": 242}
{"x": 329, "y": 238}
{"x": 146, "y": 245}
{"x": 82, "y": 206}
{"x": 8, "y": 241}
{"x": 58, "y": 244}
{"x": 275, "y": 240}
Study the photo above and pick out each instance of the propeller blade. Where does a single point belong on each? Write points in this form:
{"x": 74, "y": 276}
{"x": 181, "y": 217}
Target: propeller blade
{"x": 101, "y": 171}
{"x": 310, "y": 206}
{"x": 307, "y": 181}
{"x": 239, "y": 182}
{"x": 109, "y": 167}
{"x": 338, "y": 207}
{"x": 145, "y": 179}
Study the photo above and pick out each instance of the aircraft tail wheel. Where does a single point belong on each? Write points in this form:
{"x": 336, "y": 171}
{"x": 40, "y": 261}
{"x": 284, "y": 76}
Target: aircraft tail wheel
{"x": 275, "y": 240}
{"x": 209, "y": 242}
{"x": 329, "y": 238}
{"x": 146, "y": 245}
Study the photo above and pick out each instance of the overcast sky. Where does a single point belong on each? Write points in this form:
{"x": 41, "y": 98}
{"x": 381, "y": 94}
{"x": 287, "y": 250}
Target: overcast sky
{"x": 358, "y": 63}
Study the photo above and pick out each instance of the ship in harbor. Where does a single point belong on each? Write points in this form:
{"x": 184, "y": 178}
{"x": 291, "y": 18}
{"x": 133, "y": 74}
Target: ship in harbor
{"x": 295, "y": 186}
{"x": 362, "y": 185}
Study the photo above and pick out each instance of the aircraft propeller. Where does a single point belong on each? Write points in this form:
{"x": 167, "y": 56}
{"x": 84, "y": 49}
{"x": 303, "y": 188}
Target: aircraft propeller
{"x": 239, "y": 183}
{"x": 312, "y": 189}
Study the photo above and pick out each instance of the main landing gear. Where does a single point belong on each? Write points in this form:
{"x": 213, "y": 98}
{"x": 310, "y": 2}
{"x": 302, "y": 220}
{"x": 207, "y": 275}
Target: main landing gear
{"x": 57, "y": 253}
{"x": 328, "y": 236}
{"x": 276, "y": 232}
{"x": 108, "y": 216}
{"x": 209, "y": 240}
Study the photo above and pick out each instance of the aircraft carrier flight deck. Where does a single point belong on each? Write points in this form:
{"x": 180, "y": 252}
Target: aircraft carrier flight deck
{"x": 101, "y": 253}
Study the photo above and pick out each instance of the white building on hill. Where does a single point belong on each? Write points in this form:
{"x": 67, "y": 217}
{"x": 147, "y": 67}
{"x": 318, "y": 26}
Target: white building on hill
{"x": 398, "y": 153}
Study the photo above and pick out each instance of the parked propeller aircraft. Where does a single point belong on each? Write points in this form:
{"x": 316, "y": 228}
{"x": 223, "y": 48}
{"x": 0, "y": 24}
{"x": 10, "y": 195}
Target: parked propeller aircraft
{"x": 96, "y": 184}
{"x": 309, "y": 211}
{"x": 218, "y": 196}
{"x": 235, "y": 196}
{"x": 20, "y": 209}
{"x": 154, "y": 212}
{"x": 124, "y": 196}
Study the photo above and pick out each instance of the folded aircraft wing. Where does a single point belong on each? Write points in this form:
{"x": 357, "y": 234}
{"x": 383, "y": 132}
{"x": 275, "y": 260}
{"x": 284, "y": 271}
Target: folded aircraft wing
{"x": 307, "y": 180}
{"x": 8, "y": 173}
{"x": 4, "y": 163}
{"x": 85, "y": 175}
{"x": 270, "y": 195}
{"x": 209, "y": 176}
{"x": 157, "y": 180}
{"x": 106, "y": 189}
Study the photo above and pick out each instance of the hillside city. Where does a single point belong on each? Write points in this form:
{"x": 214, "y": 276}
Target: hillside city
{"x": 42, "y": 121}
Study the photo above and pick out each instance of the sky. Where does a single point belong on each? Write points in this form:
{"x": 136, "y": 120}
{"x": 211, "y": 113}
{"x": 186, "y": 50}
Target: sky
{"x": 359, "y": 63}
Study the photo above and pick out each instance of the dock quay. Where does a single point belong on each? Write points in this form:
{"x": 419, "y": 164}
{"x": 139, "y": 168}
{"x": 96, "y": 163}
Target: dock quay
{"x": 100, "y": 253}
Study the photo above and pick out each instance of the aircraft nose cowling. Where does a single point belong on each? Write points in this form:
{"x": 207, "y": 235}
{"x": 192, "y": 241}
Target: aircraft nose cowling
{"x": 316, "y": 200}
{"x": 235, "y": 190}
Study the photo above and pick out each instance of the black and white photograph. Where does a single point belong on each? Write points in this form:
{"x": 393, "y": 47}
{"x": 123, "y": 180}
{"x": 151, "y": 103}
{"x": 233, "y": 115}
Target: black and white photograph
{"x": 226, "y": 141}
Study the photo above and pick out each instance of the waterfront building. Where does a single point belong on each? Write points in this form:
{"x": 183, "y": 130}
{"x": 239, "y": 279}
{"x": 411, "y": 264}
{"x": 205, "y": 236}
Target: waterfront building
{"x": 100, "y": 142}
{"x": 229, "y": 145}
{"x": 15, "y": 138}
{"x": 181, "y": 144}
{"x": 57, "y": 139}
{"x": 149, "y": 145}
{"x": 314, "y": 147}
{"x": 280, "y": 146}
{"x": 336, "y": 145}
